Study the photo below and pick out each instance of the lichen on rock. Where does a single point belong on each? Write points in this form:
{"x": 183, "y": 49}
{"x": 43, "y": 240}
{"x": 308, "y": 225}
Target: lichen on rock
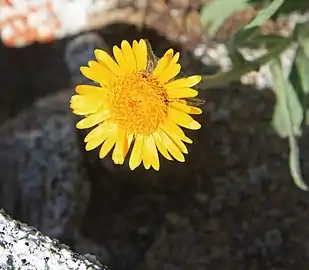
{"x": 23, "y": 247}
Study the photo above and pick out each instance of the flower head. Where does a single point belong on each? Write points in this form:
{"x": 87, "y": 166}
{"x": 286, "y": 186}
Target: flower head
{"x": 137, "y": 102}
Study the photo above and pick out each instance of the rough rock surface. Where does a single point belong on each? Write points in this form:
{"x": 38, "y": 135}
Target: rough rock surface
{"x": 43, "y": 181}
{"x": 25, "y": 248}
{"x": 232, "y": 205}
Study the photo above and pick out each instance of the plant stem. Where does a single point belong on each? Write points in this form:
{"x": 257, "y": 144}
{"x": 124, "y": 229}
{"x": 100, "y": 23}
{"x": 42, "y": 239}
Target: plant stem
{"x": 223, "y": 78}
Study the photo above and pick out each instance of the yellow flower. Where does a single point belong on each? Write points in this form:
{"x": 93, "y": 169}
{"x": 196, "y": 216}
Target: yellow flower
{"x": 138, "y": 102}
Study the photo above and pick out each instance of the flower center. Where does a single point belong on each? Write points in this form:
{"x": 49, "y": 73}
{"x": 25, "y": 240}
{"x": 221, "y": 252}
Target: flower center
{"x": 138, "y": 103}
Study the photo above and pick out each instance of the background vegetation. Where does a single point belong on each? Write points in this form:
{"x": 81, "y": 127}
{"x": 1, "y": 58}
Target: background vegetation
{"x": 291, "y": 114}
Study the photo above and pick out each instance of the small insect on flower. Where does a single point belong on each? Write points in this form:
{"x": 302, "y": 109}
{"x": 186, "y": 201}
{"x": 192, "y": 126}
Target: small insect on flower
{"x": 137, "y": 102}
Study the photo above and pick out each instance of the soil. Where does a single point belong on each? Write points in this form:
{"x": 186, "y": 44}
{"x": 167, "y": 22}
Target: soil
{"x": 231, "y": 205}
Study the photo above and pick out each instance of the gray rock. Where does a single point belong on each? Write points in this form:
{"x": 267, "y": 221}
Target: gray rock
{"x": 24, "y": 248}
{"x": 43, "y": 182}
{"x": 273, "y": 238}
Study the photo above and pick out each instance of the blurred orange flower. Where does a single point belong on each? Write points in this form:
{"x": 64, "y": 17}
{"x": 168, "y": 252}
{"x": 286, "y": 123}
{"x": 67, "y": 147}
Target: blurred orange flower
{"x": 24, "y": 23}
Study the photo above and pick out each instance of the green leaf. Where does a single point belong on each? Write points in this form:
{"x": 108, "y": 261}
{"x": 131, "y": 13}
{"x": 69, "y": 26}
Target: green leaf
{"x": 302, "y": 32}
{"x": 265, "y": 14}
{"x": 237, "y": 58}
{"x": 288, "y": 112}
{"x": 294, "y": 164}
{"x": 287, "y": 118}
{"x": 305, "y": 44}
{"x": 302, "y": 64}
{"x": 302, "y": 67}
{"x": 260, "y": 42}
{"x": 214, "y": 14}
{"x": 294, "y": 78}
{"x": 300, "y": 71}
{"x": 242, "y": 36}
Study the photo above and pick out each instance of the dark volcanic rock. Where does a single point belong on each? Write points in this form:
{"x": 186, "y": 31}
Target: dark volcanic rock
{"x": 43, "y": 180}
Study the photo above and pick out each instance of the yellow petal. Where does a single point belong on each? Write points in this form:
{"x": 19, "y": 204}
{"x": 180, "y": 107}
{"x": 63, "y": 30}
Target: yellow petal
{"x": 173, "y": 130}
{"x": 94, "y": 143}
{"x": 152, "y": 152}
{"x": 161, "y": 147}
{"x": 128, "y": 55}
{"x": 140, "y": 52}
{"x": 172, "y": 147}
{"x": 183, "y": 119}
{"x": 181, "y": 93}
{"x": 83, "y": 105}
{"x": 129, "y": 139}
{"x": 93, "y": 119}
{"x": 185, "y": 108}
{"x": 106, "y": 75}
{"x": 175, "y": 58}
{"x": 120, "y": 59}
{"x": 79, "y": 112}
{"x": 142, "y": 58}
{"x": 163, "y": 63}
{"x": 98, "y": 131}
{"x": 195, "y": 110}
{"x": 136, "y": 155}
{"x": 184, "y": 82}
{"x": 83, "y": 111}
{"x": 135, "y": 47}
{"x": 105, "y": 59}
{"x": 78, "y": 100}
{"x": 182, "y": 147}
{"x": 171, "y": 70}
{"x": 170, "y": 73}
{"x": 156, "y": 162}
{"x": 146, "y": 156}
{"x": 88, "y": 73}
{"x": 120, "y": 147}
{"x": 108, "y": 144}
{"x": 90, "y": 90}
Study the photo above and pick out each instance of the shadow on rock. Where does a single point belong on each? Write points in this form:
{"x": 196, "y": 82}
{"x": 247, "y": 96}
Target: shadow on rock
{"x": 28, "y": 73}
{"x": 231, "y": 205}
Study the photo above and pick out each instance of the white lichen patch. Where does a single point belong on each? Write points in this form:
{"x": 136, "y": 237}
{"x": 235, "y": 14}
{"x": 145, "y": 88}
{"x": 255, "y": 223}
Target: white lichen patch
{"x": 24, "y": 248}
